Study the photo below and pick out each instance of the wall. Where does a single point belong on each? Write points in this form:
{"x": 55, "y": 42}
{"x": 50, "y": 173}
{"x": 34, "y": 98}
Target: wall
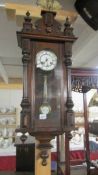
{"x": 10, "y": 98}
{"x": 13, "y": 97}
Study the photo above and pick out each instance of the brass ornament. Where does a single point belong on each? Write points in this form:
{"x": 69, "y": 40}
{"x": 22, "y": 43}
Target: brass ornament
{"x": 49, "y": 4}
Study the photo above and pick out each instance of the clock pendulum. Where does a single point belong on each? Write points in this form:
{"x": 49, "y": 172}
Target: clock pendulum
{"x": 45, "y": 108}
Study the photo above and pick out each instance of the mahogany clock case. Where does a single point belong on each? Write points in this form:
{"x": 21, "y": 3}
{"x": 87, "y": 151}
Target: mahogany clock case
{"x": 46, "y": 35}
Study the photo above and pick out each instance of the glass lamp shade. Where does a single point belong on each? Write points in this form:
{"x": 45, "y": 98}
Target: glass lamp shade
{"x": 94, "y": 101}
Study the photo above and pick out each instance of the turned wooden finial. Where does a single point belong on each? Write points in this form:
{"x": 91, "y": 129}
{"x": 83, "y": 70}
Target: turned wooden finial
{"x": 27, "y": 25}
{"x": 68, "y": 30}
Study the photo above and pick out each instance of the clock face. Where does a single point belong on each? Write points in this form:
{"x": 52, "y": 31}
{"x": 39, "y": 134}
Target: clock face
{"x": 45, "y": 109}
{"x": 46, "y": 60}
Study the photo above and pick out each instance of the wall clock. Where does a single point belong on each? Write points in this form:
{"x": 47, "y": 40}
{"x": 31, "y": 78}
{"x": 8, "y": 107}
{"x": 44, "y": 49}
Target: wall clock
{"x": 47, "y": 103}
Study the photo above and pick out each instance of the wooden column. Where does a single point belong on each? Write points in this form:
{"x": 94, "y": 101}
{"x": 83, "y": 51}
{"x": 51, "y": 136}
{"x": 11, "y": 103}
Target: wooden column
{"x": 39, "y": 168}
{"x": 58, "y": 153}
{"x": 87, "y": 149}
{"x": 68, "y": 136}
{"x": 69, "y": 116}
{"x": 62, "y": 148}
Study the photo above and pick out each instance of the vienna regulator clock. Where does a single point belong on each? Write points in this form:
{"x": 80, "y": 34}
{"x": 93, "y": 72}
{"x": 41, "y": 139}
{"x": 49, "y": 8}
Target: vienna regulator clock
{"x": 46, "y": 104}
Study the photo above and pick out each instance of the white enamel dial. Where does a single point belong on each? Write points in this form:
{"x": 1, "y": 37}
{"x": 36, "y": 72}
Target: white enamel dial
{"x": 45, "y": 109}
{"x": 46, "y": 60}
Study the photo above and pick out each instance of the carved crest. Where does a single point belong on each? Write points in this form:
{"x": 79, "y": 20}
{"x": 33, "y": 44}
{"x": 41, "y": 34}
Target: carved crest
{"x": 47, "y": 24}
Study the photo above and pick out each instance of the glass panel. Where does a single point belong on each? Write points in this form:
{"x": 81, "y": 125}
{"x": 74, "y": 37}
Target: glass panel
{"x": 48, "y": 93}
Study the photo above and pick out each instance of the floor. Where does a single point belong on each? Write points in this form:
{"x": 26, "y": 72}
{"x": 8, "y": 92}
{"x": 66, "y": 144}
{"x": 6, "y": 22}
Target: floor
{"x": 78, "y": 171}
{"x": 15, "y": 173}
{"x": 73, "y": 172}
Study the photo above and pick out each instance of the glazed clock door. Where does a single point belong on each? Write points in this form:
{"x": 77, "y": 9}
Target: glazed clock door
{"x": 48, "y": 90}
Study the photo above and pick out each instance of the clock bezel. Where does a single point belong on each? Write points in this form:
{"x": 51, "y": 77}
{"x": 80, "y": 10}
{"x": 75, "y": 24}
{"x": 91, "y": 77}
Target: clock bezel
{"x": 50, "y": 54}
